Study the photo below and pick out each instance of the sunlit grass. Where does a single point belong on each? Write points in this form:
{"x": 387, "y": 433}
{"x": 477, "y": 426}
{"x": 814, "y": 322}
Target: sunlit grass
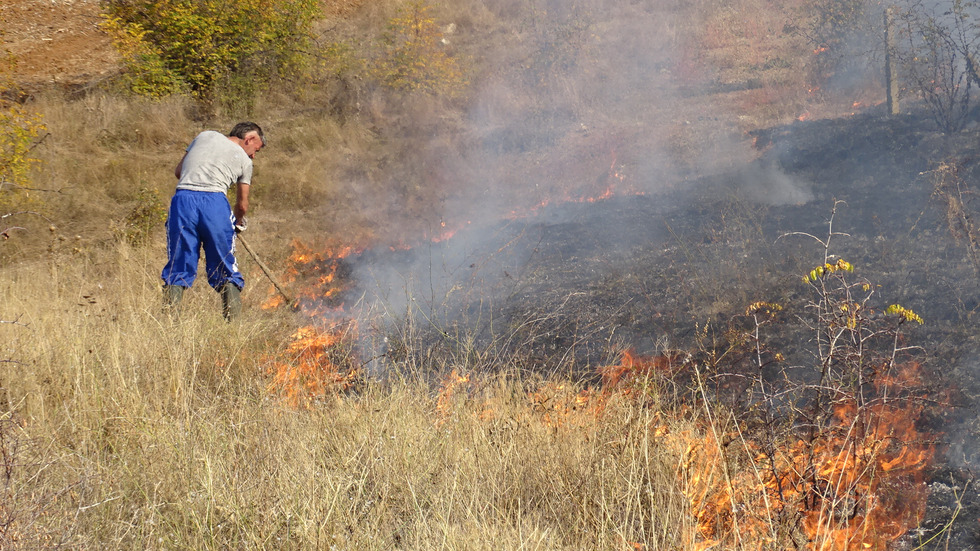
{"x": 130, "y": 430}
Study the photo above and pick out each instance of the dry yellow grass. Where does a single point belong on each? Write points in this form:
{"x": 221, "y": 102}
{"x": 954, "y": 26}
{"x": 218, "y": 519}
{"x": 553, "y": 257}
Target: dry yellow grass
{"x": 126, "y": 430}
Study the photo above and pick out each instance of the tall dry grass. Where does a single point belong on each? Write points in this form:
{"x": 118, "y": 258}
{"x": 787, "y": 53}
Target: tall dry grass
{"x": 125, "y": 429}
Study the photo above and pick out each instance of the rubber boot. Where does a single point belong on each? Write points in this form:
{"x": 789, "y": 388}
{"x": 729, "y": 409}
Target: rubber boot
{"x": 231, "y": 301}
{"x": 171, "y": 297}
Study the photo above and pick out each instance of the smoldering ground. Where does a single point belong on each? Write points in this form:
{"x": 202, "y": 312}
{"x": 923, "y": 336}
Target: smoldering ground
{"x": 592, "y": 202}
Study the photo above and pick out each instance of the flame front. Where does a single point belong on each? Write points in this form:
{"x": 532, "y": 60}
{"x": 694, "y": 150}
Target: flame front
{"x": 450, "y": 387}
{"x": 607, "y": 186}
{"x": 313, "y": 365}
{"x": 317, "y": 274}
{"x": 850, "y": 479}
{"x": 855, "y": 484}
{"x": 319, "y": 359}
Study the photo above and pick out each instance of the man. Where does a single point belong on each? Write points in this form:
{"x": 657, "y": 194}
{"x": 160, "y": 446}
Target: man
{"x": 200, "y": 215}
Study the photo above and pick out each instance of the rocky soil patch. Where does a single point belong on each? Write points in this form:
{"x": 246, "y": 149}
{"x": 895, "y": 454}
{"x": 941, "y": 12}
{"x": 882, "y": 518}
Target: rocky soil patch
{"x": 56, "y": 42}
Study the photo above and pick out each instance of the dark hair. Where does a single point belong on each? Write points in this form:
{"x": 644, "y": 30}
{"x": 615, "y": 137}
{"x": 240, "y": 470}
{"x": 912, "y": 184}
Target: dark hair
{"x": 243, "y": 128}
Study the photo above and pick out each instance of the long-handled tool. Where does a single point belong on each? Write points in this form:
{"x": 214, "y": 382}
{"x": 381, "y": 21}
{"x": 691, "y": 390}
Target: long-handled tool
{"x": 266, "y": 271}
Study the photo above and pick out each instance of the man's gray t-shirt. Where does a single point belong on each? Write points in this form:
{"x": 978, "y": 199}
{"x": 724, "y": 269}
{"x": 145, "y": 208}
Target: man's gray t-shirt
{"x": 214, "y": 163}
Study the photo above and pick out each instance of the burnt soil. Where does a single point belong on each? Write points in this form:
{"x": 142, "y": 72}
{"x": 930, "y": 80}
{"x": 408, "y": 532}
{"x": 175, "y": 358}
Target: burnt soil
{"x": 566, "y": 289}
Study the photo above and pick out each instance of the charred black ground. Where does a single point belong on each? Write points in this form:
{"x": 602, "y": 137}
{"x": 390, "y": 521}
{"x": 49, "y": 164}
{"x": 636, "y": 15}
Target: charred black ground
{"x": 565, "y": 289}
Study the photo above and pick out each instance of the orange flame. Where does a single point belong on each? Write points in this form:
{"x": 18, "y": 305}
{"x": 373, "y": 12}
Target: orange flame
{"x": 560, "y": 406}
{"x": 318, "y": 272}
{"x": 857, "y": 484}
{"x": 312, "y": 366}
{"x": 449, "y": 388}
{"x": 612, "y": 180}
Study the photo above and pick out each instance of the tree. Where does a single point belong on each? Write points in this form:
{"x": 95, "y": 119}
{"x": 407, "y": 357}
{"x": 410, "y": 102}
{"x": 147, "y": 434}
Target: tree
{"x": 414, "y": 57}
{"x": 940, "y": 58}
{"x": 843, "y": 33}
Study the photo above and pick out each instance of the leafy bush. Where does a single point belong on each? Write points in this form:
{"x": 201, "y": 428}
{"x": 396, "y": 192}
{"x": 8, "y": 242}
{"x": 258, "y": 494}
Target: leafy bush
{"x": 414, "y": 57}
{"x": 146, "y": 72}
{"x": 172, "y": 45}
{"x": 19, "y": 131}
{"x": 148, "y": 213}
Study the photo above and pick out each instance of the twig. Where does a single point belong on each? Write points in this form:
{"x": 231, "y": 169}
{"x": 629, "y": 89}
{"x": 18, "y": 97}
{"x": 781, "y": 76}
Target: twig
{"x": 28, "y": 188}
{"x": 9, "y": 214}
{"x": 830, "y": 232}
{"x": 952, "y": 519}
{"x": 5, "y": 233}
{"x": 15, "y": 321}
{"x": 104, "y": 501}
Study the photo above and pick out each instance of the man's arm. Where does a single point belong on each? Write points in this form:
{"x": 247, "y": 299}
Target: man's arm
{"x": 180, "y": 166}
{"x": 241, "y": 201}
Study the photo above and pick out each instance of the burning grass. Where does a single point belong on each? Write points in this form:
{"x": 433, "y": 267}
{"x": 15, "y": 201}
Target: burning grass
{"x": 765, "y": 455}
{"x": 858, "y": 485}
{"x": 125, "y": 430}
{"x": 852, "y": 481}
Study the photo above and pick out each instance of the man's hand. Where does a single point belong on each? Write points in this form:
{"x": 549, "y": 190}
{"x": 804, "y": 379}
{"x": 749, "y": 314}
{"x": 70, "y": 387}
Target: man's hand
{"x": 241, "y": 204}
{"x": 241, "y": 224}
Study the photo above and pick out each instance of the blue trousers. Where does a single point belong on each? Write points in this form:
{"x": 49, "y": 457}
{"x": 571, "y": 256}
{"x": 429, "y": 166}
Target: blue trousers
{"x": 201, "y": 219}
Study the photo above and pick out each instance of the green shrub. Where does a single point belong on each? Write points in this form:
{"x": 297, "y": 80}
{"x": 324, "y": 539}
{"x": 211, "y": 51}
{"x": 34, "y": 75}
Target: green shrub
{"x": 19, "y": 131}
{"x": 172, "y": 45}
{"x": 414, "y": 57}
{"x": 148, "y": 213}
{"x": 146, "y": 72}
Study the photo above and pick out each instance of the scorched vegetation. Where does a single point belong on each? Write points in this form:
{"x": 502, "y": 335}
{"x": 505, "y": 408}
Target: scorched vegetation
{"x": 595, "y": 274}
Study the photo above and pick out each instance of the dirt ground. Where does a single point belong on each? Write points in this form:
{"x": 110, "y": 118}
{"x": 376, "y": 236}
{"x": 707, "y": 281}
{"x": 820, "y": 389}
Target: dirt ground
{"x": 56, "y": 41}
{"x": 59, "y": 41}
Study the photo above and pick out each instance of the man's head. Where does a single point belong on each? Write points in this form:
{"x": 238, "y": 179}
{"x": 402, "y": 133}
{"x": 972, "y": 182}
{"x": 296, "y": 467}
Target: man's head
{"x": 250, "y": 137}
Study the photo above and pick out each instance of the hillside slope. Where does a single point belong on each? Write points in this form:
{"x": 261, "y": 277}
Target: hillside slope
{"x": 56, "y": 42}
